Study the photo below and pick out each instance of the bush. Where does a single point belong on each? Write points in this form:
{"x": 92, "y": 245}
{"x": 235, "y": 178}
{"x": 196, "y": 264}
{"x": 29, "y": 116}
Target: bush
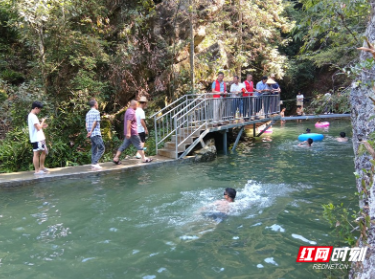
{"x": 3, "y": 96}
{"x": 16, "y": 151}
{"x": 12, "y": 76}
{"x": 339, "y": 103}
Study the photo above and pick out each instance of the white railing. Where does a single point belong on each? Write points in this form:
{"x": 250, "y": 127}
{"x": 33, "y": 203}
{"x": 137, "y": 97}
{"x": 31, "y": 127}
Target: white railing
{"x": 191, "y": 113}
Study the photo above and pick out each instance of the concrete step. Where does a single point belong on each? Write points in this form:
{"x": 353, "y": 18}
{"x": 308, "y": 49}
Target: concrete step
{"x": 172, "y": 145}
{"x": 181, "y": 138}
{"x": 167, "y": 153}
{"x": 195, "y": 135}
{"x": 188, "y": 131}
{"x": 187, "y": 134}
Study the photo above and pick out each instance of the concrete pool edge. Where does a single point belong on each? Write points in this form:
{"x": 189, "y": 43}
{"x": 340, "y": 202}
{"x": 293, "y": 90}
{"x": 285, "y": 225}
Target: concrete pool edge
{"x": 19, "y": 179}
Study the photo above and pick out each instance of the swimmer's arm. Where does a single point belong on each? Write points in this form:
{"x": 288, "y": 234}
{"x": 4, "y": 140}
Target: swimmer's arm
{"x": 208, "y": 207}
{"x": 302, "y": 143}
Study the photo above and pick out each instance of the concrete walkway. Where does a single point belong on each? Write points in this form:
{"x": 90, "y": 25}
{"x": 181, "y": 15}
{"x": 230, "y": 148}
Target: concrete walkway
{"x": 9, "y": 180}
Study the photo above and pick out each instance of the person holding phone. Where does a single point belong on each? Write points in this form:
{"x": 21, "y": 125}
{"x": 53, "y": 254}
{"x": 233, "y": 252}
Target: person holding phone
{"x": 141, "y": 124}
{"x": 37, "y": 138}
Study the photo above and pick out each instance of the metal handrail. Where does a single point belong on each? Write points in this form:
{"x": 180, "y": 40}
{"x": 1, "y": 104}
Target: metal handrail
{"x": 182, "y": 97}
{"x": 190, "y": 110}
{"x": 182, "y": 110}
{"x": 171, "y": 110}
{"x": 196, "y": 111}
{"x": 164, "y": 123}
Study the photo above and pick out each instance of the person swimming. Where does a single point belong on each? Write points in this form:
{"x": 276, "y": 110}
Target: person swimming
{"x": 342, "y": 137}
{"x": 308, "y": 131}
{"x": 220, "y": 209}
{"x": 307, "y": 143}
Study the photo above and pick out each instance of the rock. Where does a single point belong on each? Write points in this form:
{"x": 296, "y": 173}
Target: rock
{"x": 207, "y": 153}
{"x": 363, "y": 109}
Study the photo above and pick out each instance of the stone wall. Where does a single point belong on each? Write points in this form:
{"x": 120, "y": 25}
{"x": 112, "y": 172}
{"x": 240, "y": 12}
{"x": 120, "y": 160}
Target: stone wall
{"x": 362, "y": 110}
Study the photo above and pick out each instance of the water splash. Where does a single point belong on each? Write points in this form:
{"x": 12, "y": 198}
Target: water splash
{"x": 300, "y": 237}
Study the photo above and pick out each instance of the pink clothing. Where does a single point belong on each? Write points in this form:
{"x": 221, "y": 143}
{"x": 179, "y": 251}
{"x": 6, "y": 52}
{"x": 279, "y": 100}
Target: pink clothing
{"x": 130, "y": 115}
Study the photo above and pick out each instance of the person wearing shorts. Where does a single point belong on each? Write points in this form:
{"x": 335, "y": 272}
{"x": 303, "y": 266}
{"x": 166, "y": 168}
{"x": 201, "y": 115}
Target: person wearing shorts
{"x": 37, "y": 138}
{"x": 141, "y": 124}
{"x": 131, "y": 134}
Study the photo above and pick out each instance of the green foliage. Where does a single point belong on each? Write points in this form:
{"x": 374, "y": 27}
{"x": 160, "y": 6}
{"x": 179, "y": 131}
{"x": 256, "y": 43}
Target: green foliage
{"x": 63, "y": 53}
{"x": 15, "y": 108}
{"x": 3, "y": 96}
{"x": 298, "y": 77}
{"x": 338, "y": 103}
{"x": 16, "y": 151}
{"x": 255, "y": 48}
{"x": 11, "y": 76}
{"x": 332, "y": 29}
{"x": 342, "y": 220}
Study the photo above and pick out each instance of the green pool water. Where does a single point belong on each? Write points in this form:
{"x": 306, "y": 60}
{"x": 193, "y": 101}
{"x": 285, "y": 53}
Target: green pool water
{"x": 147, "y": 225}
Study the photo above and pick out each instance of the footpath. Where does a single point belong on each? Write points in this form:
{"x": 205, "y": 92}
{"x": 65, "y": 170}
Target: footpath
{"x": 16, "y": 179}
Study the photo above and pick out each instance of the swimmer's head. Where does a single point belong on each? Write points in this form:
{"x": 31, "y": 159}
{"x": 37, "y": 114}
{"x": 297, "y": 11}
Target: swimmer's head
{"x": 342, "y": 134}
{"x": 308, "y": 130}
{"x": 230, "y": 194}
{"x": 310, "y": 141}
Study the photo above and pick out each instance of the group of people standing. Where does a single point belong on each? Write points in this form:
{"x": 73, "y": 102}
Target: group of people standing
{"x": 135, "y": 129}
{"x": 224, "y": 107}
{"x": 135, "y": 132}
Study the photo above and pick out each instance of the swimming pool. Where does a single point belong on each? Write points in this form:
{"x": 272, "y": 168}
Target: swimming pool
{"x": 147, "y": 224}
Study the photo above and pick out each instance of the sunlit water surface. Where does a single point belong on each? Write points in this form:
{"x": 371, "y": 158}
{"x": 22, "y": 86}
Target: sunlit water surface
{"x": 147, "y": 224}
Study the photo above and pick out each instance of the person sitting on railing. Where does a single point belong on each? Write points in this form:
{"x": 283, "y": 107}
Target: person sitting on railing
{"x": 220, "y": 88}
{"x": 236, "y": 91}
{"x": 248, "y": 102}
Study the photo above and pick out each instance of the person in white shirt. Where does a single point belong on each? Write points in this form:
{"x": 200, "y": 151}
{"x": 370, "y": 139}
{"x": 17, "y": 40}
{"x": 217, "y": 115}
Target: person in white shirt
{"x": 141, "y": 124}
{"x": 327, "y": 99}
{"x": 236, "y": 92}
{"x": 300, "y": 99}
{"x": 37, "y": 138}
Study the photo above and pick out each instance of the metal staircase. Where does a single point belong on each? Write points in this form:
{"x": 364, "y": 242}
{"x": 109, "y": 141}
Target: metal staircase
{"x": 183, "y": 124}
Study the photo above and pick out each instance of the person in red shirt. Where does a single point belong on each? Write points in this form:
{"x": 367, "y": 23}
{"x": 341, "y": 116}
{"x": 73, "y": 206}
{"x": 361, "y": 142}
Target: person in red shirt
{"x": 248, "y": 96}
{"x": 219, "y": 88}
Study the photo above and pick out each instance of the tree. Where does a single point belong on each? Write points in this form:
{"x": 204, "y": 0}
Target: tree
{"x": 331, "y": 30}
{"x": 192, "y": 46}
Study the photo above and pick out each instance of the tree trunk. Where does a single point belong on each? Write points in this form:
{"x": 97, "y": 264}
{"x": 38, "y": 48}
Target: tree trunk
{"x": 240, "y": 15}
{"x": 191, "y": 23}
{"x": 362, "y": 108}
{"x": 42, "y": 58}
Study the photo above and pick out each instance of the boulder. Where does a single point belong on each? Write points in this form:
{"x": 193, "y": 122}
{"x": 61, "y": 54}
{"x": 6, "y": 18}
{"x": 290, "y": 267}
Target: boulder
{"x": 207, "y": 153}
